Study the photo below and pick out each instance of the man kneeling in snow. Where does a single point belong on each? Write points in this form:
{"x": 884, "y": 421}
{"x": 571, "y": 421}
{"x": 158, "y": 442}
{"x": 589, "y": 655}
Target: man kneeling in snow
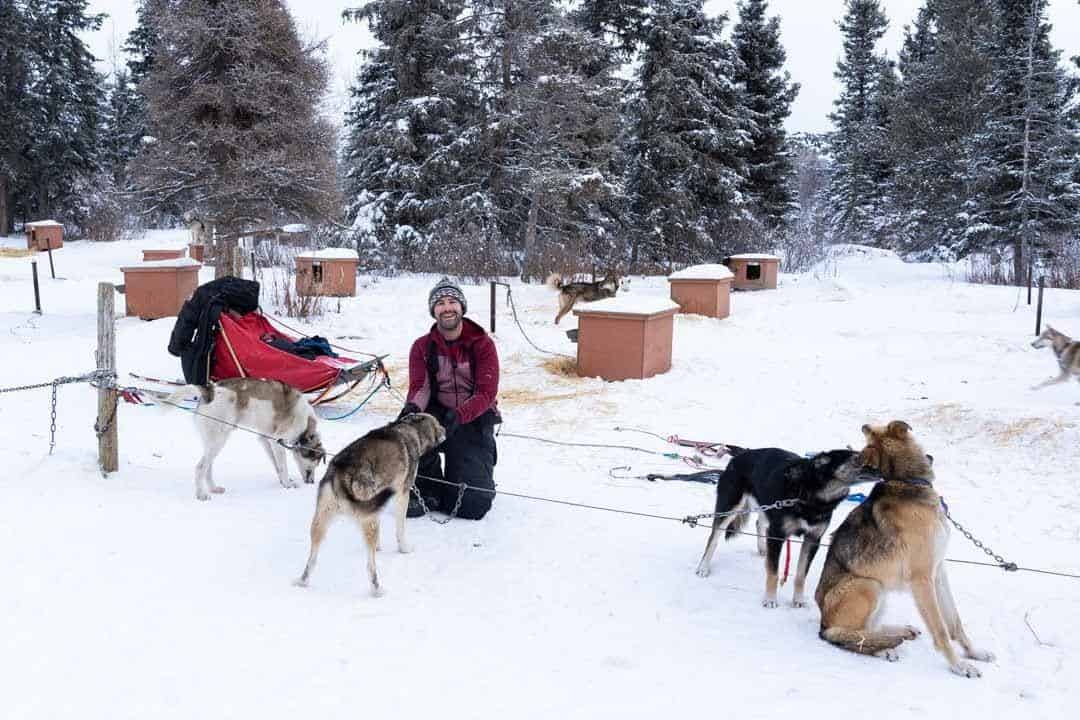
{"x": 454, "y": 375}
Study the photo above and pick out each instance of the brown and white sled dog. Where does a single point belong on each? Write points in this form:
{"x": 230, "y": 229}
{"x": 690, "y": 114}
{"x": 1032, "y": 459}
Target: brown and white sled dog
{"x": 271, "y": 408}
{"x": 895, "y": 540}
{"x": 362, "y": 478}
{"x": 1067, "y": 352}
{"x": 571, "y": 292}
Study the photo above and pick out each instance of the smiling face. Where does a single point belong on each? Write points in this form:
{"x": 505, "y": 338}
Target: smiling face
{"x": 448, "y": 315}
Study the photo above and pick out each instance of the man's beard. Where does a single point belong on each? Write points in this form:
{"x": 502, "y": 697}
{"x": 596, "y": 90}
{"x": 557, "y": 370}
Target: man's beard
{"x": 449, "y": 323}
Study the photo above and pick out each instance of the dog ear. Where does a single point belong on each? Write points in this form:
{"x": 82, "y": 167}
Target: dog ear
{"x": 898, "y": 429}
{"x": 821, "y": 460}
{"x": 868, "y": 432}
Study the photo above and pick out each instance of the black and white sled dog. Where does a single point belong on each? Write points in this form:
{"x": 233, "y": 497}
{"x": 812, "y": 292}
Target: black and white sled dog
{"x": 756, "y": 478}
{"x": 1067, "y": 352}
{"x": 365, "y": 476}
{"x": 270, "y": 408}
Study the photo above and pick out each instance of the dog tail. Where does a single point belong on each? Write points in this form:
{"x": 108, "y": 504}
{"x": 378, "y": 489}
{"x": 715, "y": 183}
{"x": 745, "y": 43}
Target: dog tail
{"x": 860, "y": 641}
{"x": 554, "y": 281}
{"x": 205, "y": 394}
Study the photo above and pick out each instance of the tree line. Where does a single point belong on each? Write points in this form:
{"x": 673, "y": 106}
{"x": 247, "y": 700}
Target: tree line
{"x": 521, "y": 136}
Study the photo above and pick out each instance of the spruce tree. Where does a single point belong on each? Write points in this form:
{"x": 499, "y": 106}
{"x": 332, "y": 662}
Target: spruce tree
{"x": 236, "y": 138}
{"x": 66, "y": 94}
{"x": 623, "y": 23}
{"x": 856, "y": 191}
{"x": 691, "y": 132}
{"x": 122, "y": 127}
{"x": 410, "y": 155}
{"x": 15, "y": 105}
{"x": 939, "y": 113}
{"x": 1028, "y": 150}
{"x": 769, "y": 93}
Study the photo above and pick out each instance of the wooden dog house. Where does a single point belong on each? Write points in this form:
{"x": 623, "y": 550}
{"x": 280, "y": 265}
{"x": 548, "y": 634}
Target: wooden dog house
{"x": 621, "y": 338}
{"x": 703, "y": 290}
{"x": 196, "y": 251}
{"x": 330, "y": 272}
{"x": 155, "y": 255}
{"x": 157, "y": 289}
{"x": 44, "y": 234}
{"x": 754, "y": 271}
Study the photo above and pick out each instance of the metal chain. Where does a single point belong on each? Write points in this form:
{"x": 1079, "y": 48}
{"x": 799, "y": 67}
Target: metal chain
{"x": 66, "y": 380}
{"x": 1002, "y": 563}
{"x": 453, "y": 513}
{"x": 52, "y": 419}
{"x": 692, "y": 520}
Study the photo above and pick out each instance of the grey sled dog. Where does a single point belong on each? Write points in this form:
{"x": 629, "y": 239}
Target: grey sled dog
{"x": 362, "y": 478}
{"x": 1067, "y": 352}
{"x": 270, "y": 408}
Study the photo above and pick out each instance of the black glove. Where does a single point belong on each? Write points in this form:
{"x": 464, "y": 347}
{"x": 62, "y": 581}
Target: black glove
{"x": 409, "y": 409}
{"x": 451, "y": 423}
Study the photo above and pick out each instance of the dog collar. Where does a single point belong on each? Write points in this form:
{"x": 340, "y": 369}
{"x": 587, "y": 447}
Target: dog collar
{"x": 915, "y": 481}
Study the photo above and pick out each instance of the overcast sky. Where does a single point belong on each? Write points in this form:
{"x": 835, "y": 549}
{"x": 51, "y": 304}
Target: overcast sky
{"x": 809, "y": 33}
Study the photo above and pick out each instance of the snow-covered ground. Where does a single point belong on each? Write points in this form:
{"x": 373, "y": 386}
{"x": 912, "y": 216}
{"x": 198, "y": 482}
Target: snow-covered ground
{"x": 127, "y": 598}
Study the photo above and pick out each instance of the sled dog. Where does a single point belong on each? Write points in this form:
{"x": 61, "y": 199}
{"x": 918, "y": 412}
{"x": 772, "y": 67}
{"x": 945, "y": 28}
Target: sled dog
{"x": 571, "y": 292}
{"x": 269, "y": 407}
{"x": 1067, "y": 352}
{"x": 362, "y": 478}
{"x": 754, "y": 478}
{"x": 895, "y": 540}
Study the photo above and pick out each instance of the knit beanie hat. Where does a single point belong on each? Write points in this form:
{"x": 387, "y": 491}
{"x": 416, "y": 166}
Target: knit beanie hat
{"x": 446, "y": 288}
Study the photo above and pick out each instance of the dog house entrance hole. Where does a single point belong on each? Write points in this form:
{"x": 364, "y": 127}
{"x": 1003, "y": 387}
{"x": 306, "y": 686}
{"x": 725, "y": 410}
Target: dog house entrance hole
{"x": 753, "y": 271}
{"x": 316, "y": 272}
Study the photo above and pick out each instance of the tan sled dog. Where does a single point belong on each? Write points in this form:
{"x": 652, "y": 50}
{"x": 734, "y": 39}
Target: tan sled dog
{"x": 362, "y": 478}
{"x": 895, "y": 540}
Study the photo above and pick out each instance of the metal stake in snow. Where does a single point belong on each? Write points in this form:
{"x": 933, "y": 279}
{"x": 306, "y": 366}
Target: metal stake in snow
{"x": 37, "y": 292}
{"x": 1038, "y": 308}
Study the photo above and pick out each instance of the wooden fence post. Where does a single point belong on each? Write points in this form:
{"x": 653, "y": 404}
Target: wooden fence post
{"x": 1038, "y": 309}
{"x": 107, "y": 420}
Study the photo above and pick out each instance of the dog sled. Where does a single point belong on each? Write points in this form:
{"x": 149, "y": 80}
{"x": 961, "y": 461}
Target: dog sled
{"x": 221, "y": 333}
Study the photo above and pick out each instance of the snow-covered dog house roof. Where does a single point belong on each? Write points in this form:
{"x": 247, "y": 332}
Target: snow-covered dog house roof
{"x": 754, "y": 271}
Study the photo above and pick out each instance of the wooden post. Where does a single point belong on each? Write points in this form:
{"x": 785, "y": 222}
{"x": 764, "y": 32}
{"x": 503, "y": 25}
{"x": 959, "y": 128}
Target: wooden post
{"x": 108, "y": 447}
{"x": 1038, "y": 309}
{"x": 253, "y": 275}
{"x": 1030, "y": 273}
{"x": 52, "y": 270}
{"x": 492, "y": 283}
{"x": 37, "y": 292}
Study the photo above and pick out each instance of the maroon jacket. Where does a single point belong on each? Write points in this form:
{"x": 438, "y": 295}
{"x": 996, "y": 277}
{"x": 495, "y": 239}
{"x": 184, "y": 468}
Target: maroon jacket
{"x": 467, "y": 374}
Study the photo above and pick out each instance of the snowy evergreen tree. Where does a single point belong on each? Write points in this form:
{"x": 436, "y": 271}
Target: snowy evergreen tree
{"x": 1028, "y": 152}
{"x": 939, "y": 112}
{"x": 563, "y": 147}
{"x": 856, "y": 191}
{"x": 233, "y": 97}
{"x": 411, "y": 154}
{"x": 122, "y": 128}
{"x": 623, "y": 23}
{"x": 769, "y": 93}
{"x": 692, "y": 130}
{"x": 15, "y": 105}
{"x": 65, "y": 93}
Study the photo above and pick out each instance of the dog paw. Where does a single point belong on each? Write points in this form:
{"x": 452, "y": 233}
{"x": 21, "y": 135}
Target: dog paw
{"x": 770, "y": 603}
{"x": 404, "y": 548}
{"x": 911, "y": 632}
{"x": 798, "y": 602}
{"x": 891, "y": 655}
{"x": 377, "y": 591}
{"x": 290, "y": 484}
{"x": 202, "y": 495}
{"x": 965, "y": 670}
{"x": 300, "y": 582}
{"x": 980, "y": 655}
{"x": 703, "y": 571}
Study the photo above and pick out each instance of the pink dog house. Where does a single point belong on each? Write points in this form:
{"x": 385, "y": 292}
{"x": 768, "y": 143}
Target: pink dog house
{"x": 330, "y": 272}
{"x": 196, "y": 251}
{"x": 623, "y": 337}
{"x": 703, "y": 290}
{"x": 157, "y": 289}
{"x": 754, "y": 271}
{"x": 44, "y": 234}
